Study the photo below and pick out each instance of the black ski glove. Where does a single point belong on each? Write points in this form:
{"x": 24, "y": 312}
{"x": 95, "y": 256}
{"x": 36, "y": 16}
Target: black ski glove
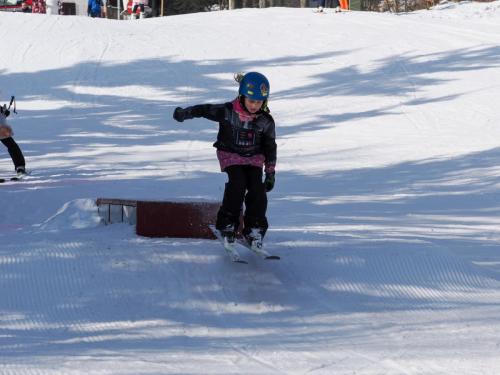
{"x": 180, "y": 114}
{"x": 269, "y": 181}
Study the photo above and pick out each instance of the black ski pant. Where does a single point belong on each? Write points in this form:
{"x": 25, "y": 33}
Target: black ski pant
{"x": 329, "y": 3}
{"x": 244, "y": 185}
{"x": 14, "y": 152}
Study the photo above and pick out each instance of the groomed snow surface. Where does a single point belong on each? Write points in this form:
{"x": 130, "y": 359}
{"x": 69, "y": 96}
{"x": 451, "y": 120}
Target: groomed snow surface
{"x": 385, "y": 212}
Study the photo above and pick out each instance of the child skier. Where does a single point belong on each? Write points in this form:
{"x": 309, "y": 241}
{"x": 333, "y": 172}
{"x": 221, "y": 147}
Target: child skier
{"x": 6, "y": 134}
{"x": 245, "y": 145}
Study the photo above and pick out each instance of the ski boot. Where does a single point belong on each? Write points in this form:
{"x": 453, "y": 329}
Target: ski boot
{"x": 21, "y": 172}
{"x": 254, "y": 237}
{"x": 228, "y": 233}
{"x": 227, "y": 225}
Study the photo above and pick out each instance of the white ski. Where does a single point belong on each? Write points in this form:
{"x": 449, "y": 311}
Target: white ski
{"x": 17, "y": 177}
{"x": 14, "y": 178}
{"x": 258, "y": 249}
{"x": 229, "y": 247}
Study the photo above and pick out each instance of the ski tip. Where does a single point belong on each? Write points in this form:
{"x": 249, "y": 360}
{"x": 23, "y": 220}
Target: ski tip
{"x": 241, "y": 261}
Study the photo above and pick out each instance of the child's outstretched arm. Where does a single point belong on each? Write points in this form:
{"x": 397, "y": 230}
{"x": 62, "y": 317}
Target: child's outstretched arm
{"x": 214, "y": 112}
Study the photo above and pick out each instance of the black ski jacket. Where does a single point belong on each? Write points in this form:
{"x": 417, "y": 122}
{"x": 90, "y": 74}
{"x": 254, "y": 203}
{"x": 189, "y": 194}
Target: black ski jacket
{"x": 245, "y": 138}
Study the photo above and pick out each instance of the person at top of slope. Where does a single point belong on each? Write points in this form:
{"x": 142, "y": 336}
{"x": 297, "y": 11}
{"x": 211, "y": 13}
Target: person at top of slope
{"x": 246, "y": 144}
{"x": 6, "y": 135}
{"x": 138, "y": 5}
{"x": 94, "y": 8}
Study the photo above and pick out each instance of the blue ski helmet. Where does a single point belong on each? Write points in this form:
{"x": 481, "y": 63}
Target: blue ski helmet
{"x": 254, "y": 86}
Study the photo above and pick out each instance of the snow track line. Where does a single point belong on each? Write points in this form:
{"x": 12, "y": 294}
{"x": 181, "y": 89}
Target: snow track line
{"x": 49, "y": 290}
{"x": 424, "y": 280}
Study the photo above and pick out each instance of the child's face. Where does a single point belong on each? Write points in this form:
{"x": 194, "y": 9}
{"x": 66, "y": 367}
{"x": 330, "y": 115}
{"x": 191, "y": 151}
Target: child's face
{"x": 253, "y": 106}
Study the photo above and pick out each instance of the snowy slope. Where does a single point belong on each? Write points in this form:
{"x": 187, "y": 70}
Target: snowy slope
{"x": 385, "y": 211}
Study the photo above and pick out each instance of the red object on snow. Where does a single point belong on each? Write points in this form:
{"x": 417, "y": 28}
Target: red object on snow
{"x": 176, "y": 219}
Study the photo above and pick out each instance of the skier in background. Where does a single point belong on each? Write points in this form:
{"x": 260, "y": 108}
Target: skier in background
{"x": 245, "y": 145}
{"x": 94, "y": 8}
{"x": 322, "y": 4}
{"x": 38, "y": 6}
{"x": 138, "y": 4}
{"x": 6, "y": 134}
{"x": 26, "y": 6}
{"x": 335, "y": 4}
